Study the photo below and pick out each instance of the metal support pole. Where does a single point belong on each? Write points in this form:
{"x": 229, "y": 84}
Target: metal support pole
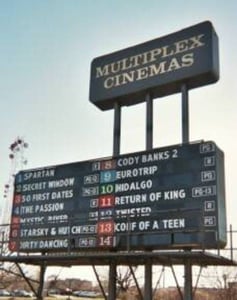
{"x": 148, "y": 281}
{"x": 177, "y": 283}
{"x": 136, "y": 283}
{"x": 99, "y": 282}
{"x": 185, "y": 114}
{"x": 117, "y": 129}
{"x": 198, "y": 277}
{"x": 188, "y": 280}
{"x": 149, "y": 145}
{"x": 112, "y": 281}
{"x": 116, "y": 152}
{"x": 162, "y": 273}
{"x": 149, "y": 122}
{"x": 41, "y": 282}
{"x": 185, "y": 139}
{"x": 28, "y": 280}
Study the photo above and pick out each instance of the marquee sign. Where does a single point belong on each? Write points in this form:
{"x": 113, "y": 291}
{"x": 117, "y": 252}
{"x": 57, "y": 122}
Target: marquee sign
{"x": 159, "y": 66}
{"x": 163, "y": 198}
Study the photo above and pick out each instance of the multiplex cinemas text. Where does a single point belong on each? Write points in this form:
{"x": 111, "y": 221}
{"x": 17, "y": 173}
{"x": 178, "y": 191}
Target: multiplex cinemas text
{"x": 160, "y": 66}
{"x": 150, "y": 63}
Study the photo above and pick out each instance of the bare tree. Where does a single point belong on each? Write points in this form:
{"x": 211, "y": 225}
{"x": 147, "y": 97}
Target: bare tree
{"x": 125, "y": 278}
{"x": 223, "y": 280}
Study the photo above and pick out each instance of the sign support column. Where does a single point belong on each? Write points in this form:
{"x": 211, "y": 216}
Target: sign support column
{"x": 149, "y": 121}
{"x": 149, "y": 145}
{"x": 185, "y": 139}
{"x": 188, "y": 279}
{"x": 112, "y": 280}
{"x": 117, "y": 129}
{"x": 116, "y": 152}
{"x": 185, "y": 114}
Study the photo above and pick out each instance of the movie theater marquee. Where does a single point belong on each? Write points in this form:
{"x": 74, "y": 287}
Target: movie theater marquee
{"x": 166, "y": 198}
{"x": 159, "y": 66}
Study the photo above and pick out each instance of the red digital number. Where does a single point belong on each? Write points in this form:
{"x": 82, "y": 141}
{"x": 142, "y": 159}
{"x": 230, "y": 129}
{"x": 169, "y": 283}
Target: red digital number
{"x": 108, "y": 164}
{"x": 15, "y": 221}
{"x": 14, "y": 233}
{"x": 106, "y": 201}
{"x": 105, "y": 228}
{"x": 13, "y": 246}
{"x": 17, "y": 199}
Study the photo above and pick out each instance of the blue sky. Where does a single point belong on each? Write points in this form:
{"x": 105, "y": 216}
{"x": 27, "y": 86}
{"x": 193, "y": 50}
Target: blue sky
{"x": 46, "y": 48}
